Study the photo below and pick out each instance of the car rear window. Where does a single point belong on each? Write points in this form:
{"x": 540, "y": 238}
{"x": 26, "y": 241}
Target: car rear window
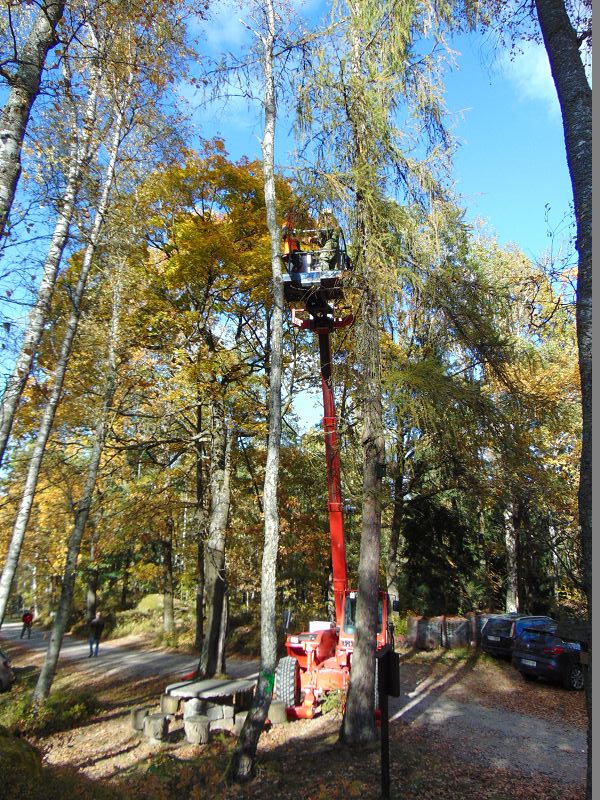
{"x": 498, "y": 626}
{"x": 538, "y": 636}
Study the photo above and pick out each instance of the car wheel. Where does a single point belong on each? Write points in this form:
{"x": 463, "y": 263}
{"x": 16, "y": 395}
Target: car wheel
{"x": 575, "y": 678}
{"x": 529, "y": 677}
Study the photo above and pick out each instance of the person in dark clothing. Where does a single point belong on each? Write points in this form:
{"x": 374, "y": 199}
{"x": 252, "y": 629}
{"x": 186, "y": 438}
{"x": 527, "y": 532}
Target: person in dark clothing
{"x": 96, "y": 627}
{"x": 27, "y": 620}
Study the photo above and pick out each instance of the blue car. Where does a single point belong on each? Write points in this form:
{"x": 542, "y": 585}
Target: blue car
{"x": 543, "y": 654}
{"x": 500, "y": 631}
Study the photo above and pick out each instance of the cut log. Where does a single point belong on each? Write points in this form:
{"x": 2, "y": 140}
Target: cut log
{"x": 137, "y": 717}
{"x": 196, "y": 729}
{"x": 169, "y": 704}
{"x": 156, "y": 727}
{"x": 277, "y": 712}
{"x": 194, "y": 707}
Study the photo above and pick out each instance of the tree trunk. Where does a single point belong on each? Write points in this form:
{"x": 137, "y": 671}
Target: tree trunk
{"x": 244, "y": 757}
{"x": 575, "y": 98}
{"x": 92, "y": 583}
{"x": 24, "y": 89}
{"x": 214, "y": 562}
{"x": 397, "y": 520}
{"x": 168, "y": 605}
{"x": 358, "y": 726}
{"x": 510, "y": 540}
{"x": 35, "y": 462}
{"x": 221, "y": 663}
{"x": 79, "y": 156}
{"x": 200, "y": 523}
{"x": 44, "y": 683}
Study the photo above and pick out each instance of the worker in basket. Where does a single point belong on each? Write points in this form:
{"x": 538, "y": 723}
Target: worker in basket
{"x": 327, "y": 239}
{"x": 291, "y": 244}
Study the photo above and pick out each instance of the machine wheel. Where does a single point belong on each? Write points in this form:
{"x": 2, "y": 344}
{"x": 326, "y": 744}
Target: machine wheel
{"x": 575, "y": 678}
{"x": 287, "y": 681}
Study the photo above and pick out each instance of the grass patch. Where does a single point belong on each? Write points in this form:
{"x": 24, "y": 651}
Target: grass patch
{"x": 442, "y": 655}
{"x": 64, "y": 709}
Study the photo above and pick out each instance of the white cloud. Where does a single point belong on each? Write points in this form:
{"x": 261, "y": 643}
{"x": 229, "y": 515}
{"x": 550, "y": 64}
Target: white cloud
{"x": 529, "y": 71}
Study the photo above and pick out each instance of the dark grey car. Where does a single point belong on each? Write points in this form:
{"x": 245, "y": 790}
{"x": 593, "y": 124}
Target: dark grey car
{"x": 543, "y": 654}
{"x": 501, "y": 630}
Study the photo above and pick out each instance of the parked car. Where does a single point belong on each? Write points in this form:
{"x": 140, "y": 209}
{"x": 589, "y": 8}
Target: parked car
{"x": 500, "y": 631}
{"x": 7, "y": 676}
{"x": 541, "y": 653}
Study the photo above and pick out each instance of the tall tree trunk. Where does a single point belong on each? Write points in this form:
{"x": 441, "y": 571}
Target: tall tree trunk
{"x": 44, "y": 683}
{"x": 200, "y": 525}
{"x": 24, "y": 89}
{"x": 214, "y": 562}
{"x": 79, "y": 156}
{"x": 221, "y": 662}
{"x": 24, "y": 510}
{"x": 510, "y": 541}
{"x": 92, "y": 582}
{"x": 397, "y": 518}
{"x": 358, "y": 725}
{"x": 168, "y": 602}
{"x": 242, "y": 767}
{"x": 575, "y": 98}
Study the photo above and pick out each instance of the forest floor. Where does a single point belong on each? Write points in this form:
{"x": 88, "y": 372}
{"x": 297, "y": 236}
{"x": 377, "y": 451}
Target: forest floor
{"x": 465, "y": 727}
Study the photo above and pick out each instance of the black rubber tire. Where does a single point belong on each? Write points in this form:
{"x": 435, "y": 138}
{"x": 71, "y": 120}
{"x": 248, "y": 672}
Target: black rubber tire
{"x": 529, "y": 677}
{"x": 287, "y": 681}
{"x": 575, "y": 678}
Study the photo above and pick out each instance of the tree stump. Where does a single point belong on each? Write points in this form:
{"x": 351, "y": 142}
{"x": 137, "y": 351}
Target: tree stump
{"x": 156, "y": 727}
{"x": 196, "y": 729}
{"x": 137, "y": 717}
{"x": 277, "y": 712}
{"x": 240, "y": 718}
{"x": 169, "y": 704}
{"x": 194, "y": 707}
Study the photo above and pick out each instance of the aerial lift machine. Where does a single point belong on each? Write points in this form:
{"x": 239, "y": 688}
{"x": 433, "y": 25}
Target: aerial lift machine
{"x": 318, "y": 661}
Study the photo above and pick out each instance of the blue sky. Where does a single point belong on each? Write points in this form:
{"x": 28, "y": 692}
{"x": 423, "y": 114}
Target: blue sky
{"x": 510, "y": 167}
{"x": 510, "y": 164}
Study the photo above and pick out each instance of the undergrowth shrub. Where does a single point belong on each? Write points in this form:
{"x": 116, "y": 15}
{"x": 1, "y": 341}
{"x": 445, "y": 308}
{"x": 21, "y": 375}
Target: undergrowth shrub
{"x": 61, "y": 711}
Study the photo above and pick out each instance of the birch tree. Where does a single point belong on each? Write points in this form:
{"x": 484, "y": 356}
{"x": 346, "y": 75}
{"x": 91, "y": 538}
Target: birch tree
{"x": 80, "y": 150}
{"x": 244, "y": 756}
{"x": 45, "y": 427}
{"x": 24, "y": 84}
{"x": 59, "y": 625}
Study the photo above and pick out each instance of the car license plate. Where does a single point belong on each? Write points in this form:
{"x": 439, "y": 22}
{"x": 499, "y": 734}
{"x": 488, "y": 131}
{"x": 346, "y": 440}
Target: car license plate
{"x": 494, "y": 638}
{"x": 528, "y": 663}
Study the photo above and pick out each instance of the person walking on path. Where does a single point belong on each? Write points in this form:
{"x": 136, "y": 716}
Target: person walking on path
{"x": 27, "y": 620}
{"x": 96, "y": 626}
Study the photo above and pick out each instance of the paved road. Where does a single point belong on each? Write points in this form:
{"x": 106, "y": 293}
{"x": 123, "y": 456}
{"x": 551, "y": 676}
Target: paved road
{"x": 492, "y": 736}
{"x": 119, "y": 660}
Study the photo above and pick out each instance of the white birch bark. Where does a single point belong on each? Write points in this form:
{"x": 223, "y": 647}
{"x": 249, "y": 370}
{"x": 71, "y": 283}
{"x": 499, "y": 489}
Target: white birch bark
{"x": 24, "y": 89}
{"x": 24, "y": 510}
{"x": 245, "y": 752}
{"x": 214, "y": 557}
{"x": 48, "y": 671}
{"x": 510, "y": 541}
{"x": 79, "y": 155}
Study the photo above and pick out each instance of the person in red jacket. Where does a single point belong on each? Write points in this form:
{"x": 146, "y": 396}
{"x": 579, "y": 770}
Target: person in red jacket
{"x": 27, "y": 620}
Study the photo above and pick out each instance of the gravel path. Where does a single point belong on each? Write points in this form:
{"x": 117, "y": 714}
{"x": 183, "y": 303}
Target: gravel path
{"x": 493, "y": 736}
{"x": 121, "y": 658}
